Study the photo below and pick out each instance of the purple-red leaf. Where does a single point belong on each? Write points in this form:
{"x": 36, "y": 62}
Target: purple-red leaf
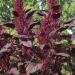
{"x": 30, "y": 14}
{"x": 31, "y": 68}
{"x": 27, "y": 10}
{"x": 33, "y": 24}
{"x": 26, "y": 43}
{"x": 42, "y": 12}
{"x": 56, "y": 7}
{"x": 9, "y": 24}
{"x": 56, "y": 15}
{"x": 15, "y": 13}
{"x": 69, "y": 21}
{"x": 22, "y": 36}
{"x": 63, "y": 54}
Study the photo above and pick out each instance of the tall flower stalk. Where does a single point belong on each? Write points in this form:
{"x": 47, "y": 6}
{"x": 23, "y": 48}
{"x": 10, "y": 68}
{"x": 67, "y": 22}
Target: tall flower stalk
{"x": 20, "y": 21}
{"x": 51, "y": 21}
{"x": 49, "y": 24}
{"x": 54, "y": 13}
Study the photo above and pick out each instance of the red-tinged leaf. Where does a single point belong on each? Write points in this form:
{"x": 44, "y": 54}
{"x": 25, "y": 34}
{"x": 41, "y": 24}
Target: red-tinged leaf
{"x": 46, "y": 47}
{"x": 56, "y": 7}
{"x": 15, "y": 13}
{"x": 30, "y": 14}
{"x": 2, "y": 43}
{"x": 72, "y": 52}
{"x": 42, "y": 46}
{"x": 42, "y": 12}
{"x": 61, "y": 29}
{"x": 6, "y": 35}
{"x": 1, "y": 30}
{"x": 69, "y": 21}
{"x": 27, "y": 10}
{"x": 26, "y": 43}
{"x": 63, "y": 54}
{"x": 59, "y": 43}
{"x": 33, "y": 24}
{"x": 22, "y": 36}
{"x": 52, "y": 33}
{"x": 9, "y": 24}
{"x": 4, "y": 50}
{"x": 13, "y": 71}
{"x": 31, "y": 68}
{"x": 56, "y": 15}
{"x": 7, "y": 45}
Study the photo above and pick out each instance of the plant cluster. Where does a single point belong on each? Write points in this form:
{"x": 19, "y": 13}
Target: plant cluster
{"x": 38, "y": 47}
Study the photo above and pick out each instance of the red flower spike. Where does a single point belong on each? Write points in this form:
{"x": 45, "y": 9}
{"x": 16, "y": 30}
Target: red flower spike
{"x": 51, "y": 22}
{"x": 19, "y": 14}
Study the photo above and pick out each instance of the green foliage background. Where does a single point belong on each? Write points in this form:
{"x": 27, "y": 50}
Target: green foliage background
{"x": 5, "y": 10}
{"x": 68, "y": 9}
{"x": 6, "y": 7}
